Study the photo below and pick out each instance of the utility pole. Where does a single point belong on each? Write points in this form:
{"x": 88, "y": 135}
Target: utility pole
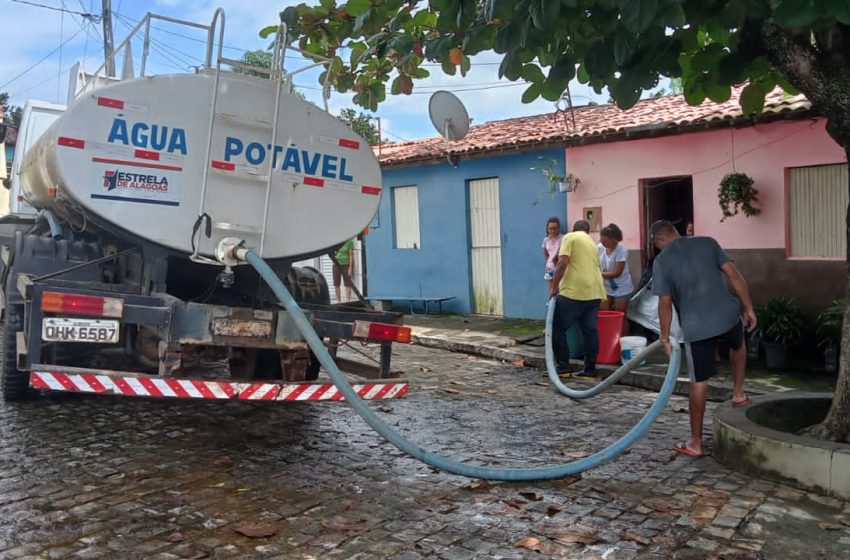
{"x": 106, "y": 15}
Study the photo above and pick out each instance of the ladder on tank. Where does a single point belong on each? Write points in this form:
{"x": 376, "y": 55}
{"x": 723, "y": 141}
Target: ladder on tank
{"x": 283, "y": 82}
{"x": 82, "y": 82}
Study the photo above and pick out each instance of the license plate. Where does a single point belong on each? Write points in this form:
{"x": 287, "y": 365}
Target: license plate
{"x": 79, "y": 330}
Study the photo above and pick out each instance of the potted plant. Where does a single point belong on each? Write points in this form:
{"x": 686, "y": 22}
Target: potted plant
{"x": 830, "y": 324}
{"x": 780, "y": 325}
{"x": 563, "y": 183}
{"x": 737, "y": 191}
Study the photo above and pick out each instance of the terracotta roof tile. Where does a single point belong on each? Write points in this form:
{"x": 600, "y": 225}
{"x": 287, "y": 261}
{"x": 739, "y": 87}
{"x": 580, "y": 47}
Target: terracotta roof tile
{"x": 663, "y": 115}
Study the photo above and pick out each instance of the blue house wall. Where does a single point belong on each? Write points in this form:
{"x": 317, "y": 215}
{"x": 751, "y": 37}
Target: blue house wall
{"x": 441, "y": 266}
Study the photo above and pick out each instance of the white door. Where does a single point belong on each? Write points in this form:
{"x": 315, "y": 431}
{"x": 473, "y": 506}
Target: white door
{"x": 486, "y": 249}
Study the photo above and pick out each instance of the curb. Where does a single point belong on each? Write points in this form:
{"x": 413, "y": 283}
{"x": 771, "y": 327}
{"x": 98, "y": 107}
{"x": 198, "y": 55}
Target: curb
{"x": 641, "y": 379}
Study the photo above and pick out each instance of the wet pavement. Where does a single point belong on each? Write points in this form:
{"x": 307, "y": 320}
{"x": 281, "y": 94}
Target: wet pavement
{"x": 106, "y": 477}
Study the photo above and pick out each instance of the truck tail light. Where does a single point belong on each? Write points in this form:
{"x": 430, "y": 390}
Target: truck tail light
{"x": 76, "y": 304}
{"x": 381, "y": 331}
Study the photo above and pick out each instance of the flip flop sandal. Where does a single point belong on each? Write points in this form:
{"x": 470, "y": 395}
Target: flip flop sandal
{"x": 744, "y": 402}
{"x": 682, "y": 449}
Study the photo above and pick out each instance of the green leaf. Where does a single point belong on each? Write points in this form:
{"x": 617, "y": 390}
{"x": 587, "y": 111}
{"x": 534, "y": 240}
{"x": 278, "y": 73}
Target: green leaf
{"x": 419, "y": 73}
{"x": 290, "y": 17}
{"x": 758, "y": 67}
{"x": 638, "y": 14}
{"x": 752, "y": 99}
{"x": 538, "y": 14}
{"x": 532, "y": 92}
{"x": 479, "y": 38}
{"x": 839, "y": 9}
{"x": 708, "y": 58}
{"x": 268, "y": 30}
{"x": 786, "y": 86}
{"x": 465, "y": 65}
{"x": 438, "y": 49}
{"x": 581, "y": 74}
{"x": 694, "y": 94}
{"x": 625, "y": 44}
{"x": 599, "y": 61}
{"x": 671, "y": 14}
{"x": 563, "y": 70}
{"x": 501, "y": 9}
{"x": 732, "y": 69}
{"x": 357, "y": 7}
{"x": 796, "y": 13}
{"x": 552, "y": 90}
{"x": 423, "y": 17}
{"x": 402, "y": 44}
{"x": 449, "y": 68}
{"x": 627, "y": 98}
{"x": 532, "y": 73}
{"x": 625, "y": 90}
{"x": 510, "y": 66}
{"x": 719, "y": 93}
{"x": 356, "y": 54}
{"x": 395, "y": 88}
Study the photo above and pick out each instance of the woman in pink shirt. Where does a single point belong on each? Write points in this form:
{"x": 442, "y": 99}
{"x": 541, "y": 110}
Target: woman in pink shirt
{"x": 551, "y": 246}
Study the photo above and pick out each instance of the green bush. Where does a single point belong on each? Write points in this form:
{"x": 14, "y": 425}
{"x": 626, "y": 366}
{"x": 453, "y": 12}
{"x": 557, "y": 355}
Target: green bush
{"x": 780, "y": 321}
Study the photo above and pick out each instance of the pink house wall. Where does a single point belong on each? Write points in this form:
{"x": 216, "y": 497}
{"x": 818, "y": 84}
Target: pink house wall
{"x": 610, "y": 174}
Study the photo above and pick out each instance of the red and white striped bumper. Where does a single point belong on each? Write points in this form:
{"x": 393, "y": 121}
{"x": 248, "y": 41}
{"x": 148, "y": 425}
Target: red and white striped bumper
{"x": 132, "y": 385}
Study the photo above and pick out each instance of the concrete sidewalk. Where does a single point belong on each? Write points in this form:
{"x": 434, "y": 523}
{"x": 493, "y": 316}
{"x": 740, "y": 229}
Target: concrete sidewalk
{"x": 511, "y": 349}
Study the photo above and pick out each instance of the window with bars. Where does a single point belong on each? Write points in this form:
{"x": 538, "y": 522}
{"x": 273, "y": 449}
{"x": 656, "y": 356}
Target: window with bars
{"x": 817, "y": 204}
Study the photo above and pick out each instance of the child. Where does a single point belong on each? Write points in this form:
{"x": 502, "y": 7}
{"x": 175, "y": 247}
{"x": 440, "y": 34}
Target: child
{"x": 551, "y": 246}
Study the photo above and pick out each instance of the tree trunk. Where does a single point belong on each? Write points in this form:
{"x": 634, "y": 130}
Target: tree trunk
{"x": 836, "y": 425}
{"x": 826, "y": 84}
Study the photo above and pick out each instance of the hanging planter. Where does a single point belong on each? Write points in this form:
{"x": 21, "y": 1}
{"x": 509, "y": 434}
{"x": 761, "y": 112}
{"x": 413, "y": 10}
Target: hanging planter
{"x": 568, "y": 183}
{"x": 737, "y": 193}
{"x": 557, "y": 182}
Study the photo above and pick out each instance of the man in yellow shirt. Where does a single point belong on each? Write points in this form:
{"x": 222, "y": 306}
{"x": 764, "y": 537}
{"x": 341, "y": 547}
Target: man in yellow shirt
{"x": 580, "y": 290}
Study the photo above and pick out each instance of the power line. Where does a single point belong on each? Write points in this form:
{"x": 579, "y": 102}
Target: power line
{"x": 39, "y": 84}
{"x": 48, "y": 55}
{"x": 96, "y": 18}
{"x": 182, "y": 36}
{"x": 473, "y": 88}
{"x": 173, "y": 60}
{"x": 189, "y": 58}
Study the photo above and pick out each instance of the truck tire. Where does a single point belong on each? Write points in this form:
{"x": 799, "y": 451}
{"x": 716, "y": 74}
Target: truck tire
{"x": 14, "y": 383}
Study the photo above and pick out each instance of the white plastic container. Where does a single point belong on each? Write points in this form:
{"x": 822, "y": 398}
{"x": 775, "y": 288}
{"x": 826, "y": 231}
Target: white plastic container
{"x": 631, "y": 346}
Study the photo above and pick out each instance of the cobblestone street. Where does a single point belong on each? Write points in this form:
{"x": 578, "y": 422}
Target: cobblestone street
{"x": 90, "y": 477}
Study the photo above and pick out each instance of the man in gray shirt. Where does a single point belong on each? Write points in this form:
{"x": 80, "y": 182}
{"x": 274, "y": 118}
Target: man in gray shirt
{"x": 692, "y": 274}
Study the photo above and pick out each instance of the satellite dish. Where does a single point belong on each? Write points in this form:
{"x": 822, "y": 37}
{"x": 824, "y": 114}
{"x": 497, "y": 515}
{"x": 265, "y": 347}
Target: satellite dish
{"x": 448, "y": 115}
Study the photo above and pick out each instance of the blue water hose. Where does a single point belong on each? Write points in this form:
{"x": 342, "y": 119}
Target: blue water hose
{"x": 552, "y": 370}
{"x": 432, "y": 459}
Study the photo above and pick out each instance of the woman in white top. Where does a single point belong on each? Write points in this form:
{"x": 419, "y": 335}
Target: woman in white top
{"x": 613, "y": 260}
{"x": 551, "y": 246}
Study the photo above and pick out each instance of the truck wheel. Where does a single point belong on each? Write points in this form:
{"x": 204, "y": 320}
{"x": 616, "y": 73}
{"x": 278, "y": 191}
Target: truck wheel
{"x": 14, "y": 383}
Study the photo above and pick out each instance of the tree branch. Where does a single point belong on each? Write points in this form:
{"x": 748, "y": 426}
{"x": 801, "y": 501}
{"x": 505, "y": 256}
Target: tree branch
{"x": 825, "y": 84}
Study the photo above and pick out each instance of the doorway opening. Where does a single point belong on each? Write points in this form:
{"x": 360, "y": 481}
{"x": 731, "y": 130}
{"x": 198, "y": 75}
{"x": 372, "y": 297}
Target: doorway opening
{"x": 666, "y": 198}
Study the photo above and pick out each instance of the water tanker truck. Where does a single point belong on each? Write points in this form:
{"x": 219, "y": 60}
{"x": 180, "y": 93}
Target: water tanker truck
{"x": 138, "y": 188}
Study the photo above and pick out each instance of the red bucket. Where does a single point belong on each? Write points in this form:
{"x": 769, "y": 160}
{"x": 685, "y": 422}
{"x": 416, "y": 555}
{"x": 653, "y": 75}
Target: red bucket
{"x": 610, "y": 325}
